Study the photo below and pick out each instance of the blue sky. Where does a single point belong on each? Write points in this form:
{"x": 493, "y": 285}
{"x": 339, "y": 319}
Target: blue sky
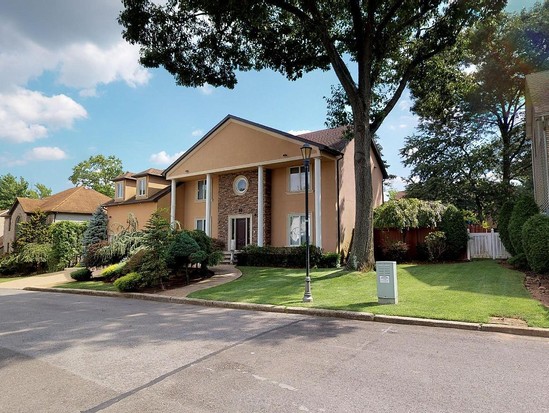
{"x": 70, "y": 87}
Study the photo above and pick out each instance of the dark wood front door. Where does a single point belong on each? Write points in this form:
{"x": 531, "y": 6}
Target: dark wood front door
{"x": 241, "y": 232}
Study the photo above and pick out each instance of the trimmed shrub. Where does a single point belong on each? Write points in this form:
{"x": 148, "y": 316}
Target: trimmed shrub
{"x": 83, "y": 274}
{"x": 114, "y": 271}
{"x": 535, "y": 240}
{"x": 519, "y": 261}
{"x": 92, "y": 257}
{"x": 436, "y": 245}
{"x": 395, "y": 251}
{"x": 329, "y": 260}
{"x": 454, "y": 228}
{"x": 129, "y": 282}
{"x": 286, "y": 257}
{"x": 503, "y": 225}
{"x": 134, "y": 263}
{"x": 524, "y": 208}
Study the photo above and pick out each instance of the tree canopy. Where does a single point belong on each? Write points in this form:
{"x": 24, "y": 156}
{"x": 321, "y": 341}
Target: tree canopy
{"x": 382, "y": 42}
{"x": 12, "y": 187}
{"x": 97, "y": 173}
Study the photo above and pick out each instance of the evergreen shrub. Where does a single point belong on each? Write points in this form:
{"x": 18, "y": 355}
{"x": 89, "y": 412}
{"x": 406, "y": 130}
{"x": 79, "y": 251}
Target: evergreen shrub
{"x": 454, "y": 228}
{"x": 83, "y": 274}
{"x": 503, "y": 225}
{"x": 524, "y": 208}
{"x": 535, "y": 240}
{"x": 129, "y": 282}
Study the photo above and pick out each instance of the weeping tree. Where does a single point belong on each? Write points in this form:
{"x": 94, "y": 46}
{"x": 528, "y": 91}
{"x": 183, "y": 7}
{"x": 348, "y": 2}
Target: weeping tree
{"x": 374, "y": 47}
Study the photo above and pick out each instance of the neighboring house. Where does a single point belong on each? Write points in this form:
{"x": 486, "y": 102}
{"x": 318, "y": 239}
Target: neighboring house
{"x": 139, "y": 194}
{"x": 537, "y": 129}
{"x": 75, "y": 204}
{"x": 2, "y": 220}
{"x": 243, "y": 183}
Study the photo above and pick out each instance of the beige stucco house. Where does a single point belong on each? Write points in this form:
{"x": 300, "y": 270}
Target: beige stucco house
{"x": 243, "y": 183}
{"x": 139, "y": 194}
{"x": 537, "y": 129}
{"x": 75, "y": 204}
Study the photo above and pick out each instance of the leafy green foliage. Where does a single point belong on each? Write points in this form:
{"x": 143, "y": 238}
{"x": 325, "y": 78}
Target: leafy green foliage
{"x": 35, "y": 256}
{"x": 157, "y": 237}
{"x": 454, "y": 228}
{"x": 129, "y": 282}
{"x": 121, "y": 246}
{"x": 182, "y": 251}
{"x": 535, "y": 240}
{"x": 436, "y": 245}
{"x": 97, "y": 173}
{"x": 291, "y": 257}
{"x": 114, "y": 271}
{"x": 97, "y": 228}
{"x": 82, "y": 274}
{"x": 66, "y": 243}
{"x": 503, "y": 225}
{"x": 207, "y": 41}
{"x": 395, "y": 251}
{"x": 34, "y": 230}
{"x": 329, "y": 260}
{"x": 12, "y": 187}
{"x": 93, "y": 258}
{"x": 524, "y": 208}
{"x": 408, "y": 213}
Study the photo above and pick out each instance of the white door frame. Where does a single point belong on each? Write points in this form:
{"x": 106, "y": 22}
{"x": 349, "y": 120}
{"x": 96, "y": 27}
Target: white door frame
{"x": 230, "y": 227}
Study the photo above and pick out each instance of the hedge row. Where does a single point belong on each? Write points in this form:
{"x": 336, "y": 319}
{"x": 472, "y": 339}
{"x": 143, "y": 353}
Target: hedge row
{"x": 287, "y": 257}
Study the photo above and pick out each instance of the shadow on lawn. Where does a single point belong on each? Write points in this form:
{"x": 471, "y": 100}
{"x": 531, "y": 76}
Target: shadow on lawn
{"x": 476, "y": 277}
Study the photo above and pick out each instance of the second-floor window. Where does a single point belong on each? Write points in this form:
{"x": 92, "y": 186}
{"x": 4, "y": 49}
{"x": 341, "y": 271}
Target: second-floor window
{"x": 297, "y": 179}
{"x": 120, "y": 189}
{"x": 201, "y": 194}
{"x": 142, "y": 187}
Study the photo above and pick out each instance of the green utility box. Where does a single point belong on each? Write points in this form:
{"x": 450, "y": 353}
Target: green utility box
{"x": 387, "y": 286}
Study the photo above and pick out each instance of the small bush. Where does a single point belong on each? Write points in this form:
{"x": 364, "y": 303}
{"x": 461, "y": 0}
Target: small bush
{"x": 524, "y": 208}
{"x": 114, "y": 271}
{"x": 286, "y": 257}
{"x": 436, "y": 245}
{"x": 454, "y": 228}
{"x": 503, "y": 225}
{"x": 92, "y": 258}
{"x": 9, "y": 265}
{"x": 422, "y": 252}
{"x": 535, "y": 240}
{"x": 134, "y": 263}
{"x": 329, "y": 260}
{"x": 129, "y": 282}
{"x": 519, "y": 261}
{"x": 83, "y": 274}
{"x": 395, "y": 251}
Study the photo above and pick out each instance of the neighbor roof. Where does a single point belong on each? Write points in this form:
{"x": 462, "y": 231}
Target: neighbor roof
{"x": 537, "y": 86}
{"x": 329, "y": 140}
{"x": 126, "y": 175}
{"x": 77, "y": 200}
{"x": 150, "y": 171}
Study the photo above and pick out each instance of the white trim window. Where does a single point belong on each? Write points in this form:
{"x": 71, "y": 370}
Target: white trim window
{"x": 296, "y": 229}
{"x": 201, "y": 190}
{"x": 200, "y": 224}
{"x": 120, "y": 190}
{"x": 297, "y": 178}
{"x": 142, "y": 187}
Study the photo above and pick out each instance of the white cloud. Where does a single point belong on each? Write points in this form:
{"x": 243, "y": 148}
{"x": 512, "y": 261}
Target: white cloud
{"x": 197, "y": 133}
{"x": 26, "y": 115}
{"x": 162, "y": 158}
{"x": 206, "y": 89}
{"x": 405, "y": 104}
{"x": 299, "y": 132}
{"x": 45, "y": 153}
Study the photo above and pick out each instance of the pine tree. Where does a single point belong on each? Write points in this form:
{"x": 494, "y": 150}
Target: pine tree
{"x": 97, "y": 228}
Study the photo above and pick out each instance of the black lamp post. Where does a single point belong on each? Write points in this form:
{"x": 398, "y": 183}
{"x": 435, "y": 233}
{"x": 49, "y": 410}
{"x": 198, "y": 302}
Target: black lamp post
{"x": 306, "y": 154}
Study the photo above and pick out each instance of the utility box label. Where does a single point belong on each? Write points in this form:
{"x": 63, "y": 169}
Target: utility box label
{"x": 387, "y": 286}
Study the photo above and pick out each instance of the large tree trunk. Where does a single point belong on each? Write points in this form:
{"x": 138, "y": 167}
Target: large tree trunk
{"x": 361, "y": 256}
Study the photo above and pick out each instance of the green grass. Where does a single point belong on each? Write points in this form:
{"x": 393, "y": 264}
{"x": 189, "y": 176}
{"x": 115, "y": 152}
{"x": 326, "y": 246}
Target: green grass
{"x": 473, "y": 291}
{"x": 88, "y": 285}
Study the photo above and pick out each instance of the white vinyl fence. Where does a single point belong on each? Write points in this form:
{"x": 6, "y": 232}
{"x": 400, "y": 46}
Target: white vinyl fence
{"x": 486, "y": 245}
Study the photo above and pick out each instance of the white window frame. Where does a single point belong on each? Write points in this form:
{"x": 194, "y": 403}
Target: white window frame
{"x": 202, "y": 221}
{"x": 301, "y": 174}
{"x": 142, "y": 187}
{"x": 198, "y": 192}
{"x": 119, "y": 190}
{"x": 235, "y": 182}
{"x": 302, "y": 232}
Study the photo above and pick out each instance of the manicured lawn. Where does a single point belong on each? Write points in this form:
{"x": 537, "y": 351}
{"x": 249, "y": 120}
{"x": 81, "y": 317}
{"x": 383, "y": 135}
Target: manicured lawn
{"x": 473, "y": 291}
{"x": 88, "y": 285}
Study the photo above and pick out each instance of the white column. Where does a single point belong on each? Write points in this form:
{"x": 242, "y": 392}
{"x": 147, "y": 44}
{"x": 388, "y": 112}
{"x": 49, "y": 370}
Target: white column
{"x": 318, "y": 204}
{"x": 209, "y": 205}
{"x": 173, "y": 195}
{"x": 260, "y": 207}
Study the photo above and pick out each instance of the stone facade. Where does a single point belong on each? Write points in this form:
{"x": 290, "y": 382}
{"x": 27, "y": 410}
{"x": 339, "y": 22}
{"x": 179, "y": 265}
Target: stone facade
{"x": 232, "y": 204}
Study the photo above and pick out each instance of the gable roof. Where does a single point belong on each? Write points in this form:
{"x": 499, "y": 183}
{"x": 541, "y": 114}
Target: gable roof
{"x": 150, "y": 171}
{"x": 126, "y": 175}
{"x": 77, "y": 200}
{"x": 537, "y": 89}
{"x": 327, "y": 140}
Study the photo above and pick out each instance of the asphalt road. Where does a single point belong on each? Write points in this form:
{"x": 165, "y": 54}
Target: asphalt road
{"x": 69, "y": 353}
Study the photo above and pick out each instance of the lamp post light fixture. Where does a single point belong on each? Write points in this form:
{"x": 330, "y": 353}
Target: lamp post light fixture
{"x": 306, "y": 154}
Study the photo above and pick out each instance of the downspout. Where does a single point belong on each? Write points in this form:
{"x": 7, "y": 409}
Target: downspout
{"x": 338, "y": 202}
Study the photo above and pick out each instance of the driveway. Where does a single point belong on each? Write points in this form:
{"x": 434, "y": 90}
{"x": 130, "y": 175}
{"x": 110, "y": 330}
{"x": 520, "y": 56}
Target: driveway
{"x": 44, "y": 280}
{"x": 61, "y": 352}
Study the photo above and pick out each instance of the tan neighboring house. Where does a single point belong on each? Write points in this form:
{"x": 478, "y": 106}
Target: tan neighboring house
{"x": 2, "y": 220}
{"x": 139, "y": 194}
{"x": 75, "y": 204}
{"x": 537, "y": 130}
{"x": 243, "y": 183}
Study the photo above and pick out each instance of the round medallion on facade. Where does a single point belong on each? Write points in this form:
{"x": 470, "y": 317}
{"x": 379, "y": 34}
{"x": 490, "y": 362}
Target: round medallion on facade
{"x": 240, "y": 185}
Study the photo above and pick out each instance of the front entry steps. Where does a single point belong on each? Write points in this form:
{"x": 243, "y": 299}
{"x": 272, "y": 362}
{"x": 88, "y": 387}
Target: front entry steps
{"x": 229, "y": 258}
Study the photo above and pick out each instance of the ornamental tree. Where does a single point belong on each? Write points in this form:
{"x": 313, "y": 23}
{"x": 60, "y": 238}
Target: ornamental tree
{"x": 374, "y": 48}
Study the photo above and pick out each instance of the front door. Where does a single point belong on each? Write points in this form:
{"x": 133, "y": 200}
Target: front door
{"x": 240, "y": 232}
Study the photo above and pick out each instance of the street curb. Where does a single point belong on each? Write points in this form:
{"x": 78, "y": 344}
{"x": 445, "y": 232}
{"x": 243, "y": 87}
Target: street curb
{"x": 318, "y": 312}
